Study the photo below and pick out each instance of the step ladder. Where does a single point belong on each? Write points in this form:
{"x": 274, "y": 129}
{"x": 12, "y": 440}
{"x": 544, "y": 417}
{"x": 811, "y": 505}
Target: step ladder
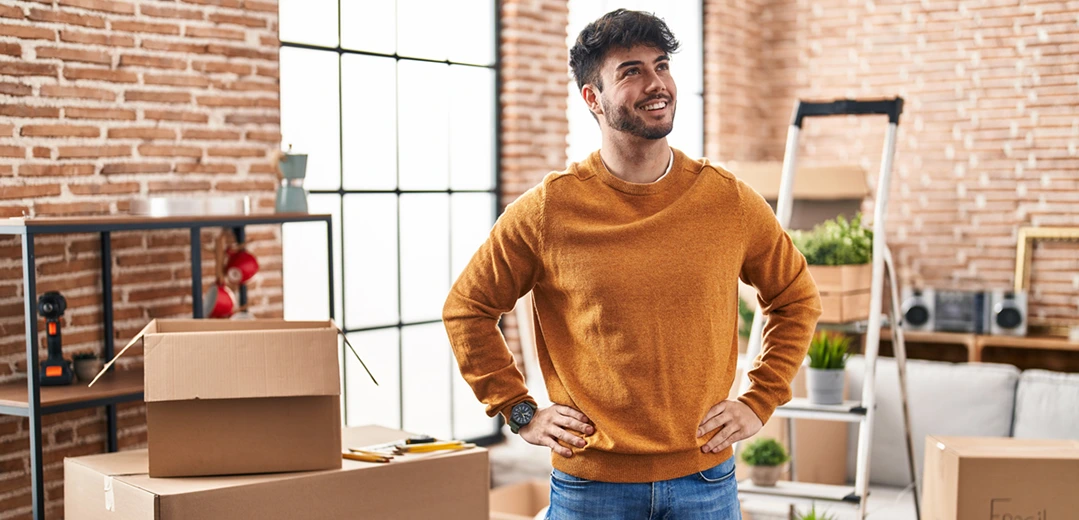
{"x": 860, "y": 412}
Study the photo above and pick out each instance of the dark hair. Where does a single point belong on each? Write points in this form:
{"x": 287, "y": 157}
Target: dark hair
{"x": 619, "y": 28}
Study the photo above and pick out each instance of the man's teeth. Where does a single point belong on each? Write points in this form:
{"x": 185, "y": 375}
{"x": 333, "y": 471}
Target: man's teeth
{"x": 656, "y": 106}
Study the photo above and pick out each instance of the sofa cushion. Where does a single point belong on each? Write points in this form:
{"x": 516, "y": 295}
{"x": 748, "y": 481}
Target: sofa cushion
{"x": 962, "y": 399}
{"x": 1046, "y": 404}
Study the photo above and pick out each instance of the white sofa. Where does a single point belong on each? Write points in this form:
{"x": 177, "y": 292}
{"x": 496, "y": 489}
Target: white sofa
{"x": 959, "y": 399}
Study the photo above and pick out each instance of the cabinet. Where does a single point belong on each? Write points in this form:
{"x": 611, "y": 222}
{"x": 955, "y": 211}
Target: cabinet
{"x": 32, "y": 401}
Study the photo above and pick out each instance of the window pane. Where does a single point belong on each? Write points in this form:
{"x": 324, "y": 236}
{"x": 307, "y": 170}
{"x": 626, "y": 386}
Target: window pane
{"x": 425, "y": 252}
{"x": 367, "y": 403}
{"x": 371, "y": 253}
{"x": 369, "y": 116}
{"x": 472, "y": 126}
{"x": 469, "y": 415}
{"x": 688, "y": 133}
{"x": 427, "y": 362}
{"x": 310, "y": 113}
{"x": 423, "y": 125}
{"x": 304, "y": 262}
{"x": 368, "y": 25}
{"x": 423, "y": 31}
{"x": 309, "y": 21}
{"x": 471, "y": 222}
{"x": 473, "y": 35}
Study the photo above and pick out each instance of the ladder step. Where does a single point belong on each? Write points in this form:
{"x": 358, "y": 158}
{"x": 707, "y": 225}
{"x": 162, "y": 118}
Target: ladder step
{"x": 793, "y": 492}
{"x": 801, "y": 408}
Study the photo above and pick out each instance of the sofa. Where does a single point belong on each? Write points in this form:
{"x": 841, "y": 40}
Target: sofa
{"x": 957, "y": 399}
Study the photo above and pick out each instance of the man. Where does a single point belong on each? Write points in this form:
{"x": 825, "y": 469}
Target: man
{"x": 633, "y": 258}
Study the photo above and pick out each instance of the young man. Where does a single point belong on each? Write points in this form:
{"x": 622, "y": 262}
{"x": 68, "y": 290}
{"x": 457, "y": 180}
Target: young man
{"x": 633, "y": 258}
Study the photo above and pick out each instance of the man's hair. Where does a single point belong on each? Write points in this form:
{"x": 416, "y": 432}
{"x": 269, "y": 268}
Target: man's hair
{"x": 617, "y": 29}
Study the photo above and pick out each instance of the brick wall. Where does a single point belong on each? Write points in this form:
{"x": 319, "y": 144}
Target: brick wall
{"x": 988, "y": 140}
{"x": 100, "y": 102}
{"x": 535, "y": 68}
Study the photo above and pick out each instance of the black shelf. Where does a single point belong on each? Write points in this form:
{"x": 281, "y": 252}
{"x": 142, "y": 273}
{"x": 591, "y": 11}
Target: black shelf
{"x": 123, "y": 387}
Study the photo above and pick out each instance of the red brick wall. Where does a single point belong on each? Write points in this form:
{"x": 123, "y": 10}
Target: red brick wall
{"x": 535, "y": 69}
{"x": 988, "y": 140}
{"x": 100, "y": 102}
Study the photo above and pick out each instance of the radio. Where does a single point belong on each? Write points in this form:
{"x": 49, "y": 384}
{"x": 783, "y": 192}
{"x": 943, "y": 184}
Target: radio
{"x": 961, "y": 311}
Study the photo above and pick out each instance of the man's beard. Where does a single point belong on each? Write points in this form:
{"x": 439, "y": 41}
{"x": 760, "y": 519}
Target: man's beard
{"x": 622, "y": 119}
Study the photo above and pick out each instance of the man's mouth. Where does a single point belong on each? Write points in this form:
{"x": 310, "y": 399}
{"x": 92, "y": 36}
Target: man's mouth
{"x": 655, "y": 105}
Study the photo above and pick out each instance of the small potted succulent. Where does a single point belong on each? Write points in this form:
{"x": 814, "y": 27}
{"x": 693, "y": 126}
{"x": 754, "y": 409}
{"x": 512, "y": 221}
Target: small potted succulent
{"x": 812, "y": 514}
{"x": 87, "y": 365}
{"x": 828, "y": 354}
{"x": 765, "y": 457}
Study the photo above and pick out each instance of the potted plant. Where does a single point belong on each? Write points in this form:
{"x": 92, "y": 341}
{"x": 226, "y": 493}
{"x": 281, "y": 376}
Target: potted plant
{"x": 839, "y": 252}
{"x": 828, "y": 354}
{"x": 87, "y": 365}
{"x": 812, "y": 514}
{"x": 765, "y": 457}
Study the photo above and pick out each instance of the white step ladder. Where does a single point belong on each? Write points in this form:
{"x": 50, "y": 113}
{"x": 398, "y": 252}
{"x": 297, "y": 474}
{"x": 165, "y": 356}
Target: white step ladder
{"x": 860, "y": 412}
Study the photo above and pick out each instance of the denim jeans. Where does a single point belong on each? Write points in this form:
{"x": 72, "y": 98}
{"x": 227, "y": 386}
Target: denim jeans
{"x": 711, "y": 494}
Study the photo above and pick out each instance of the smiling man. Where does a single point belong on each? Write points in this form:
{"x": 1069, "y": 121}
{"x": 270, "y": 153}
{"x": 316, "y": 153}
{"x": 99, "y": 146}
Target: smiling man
{"x": 633, "y": 257}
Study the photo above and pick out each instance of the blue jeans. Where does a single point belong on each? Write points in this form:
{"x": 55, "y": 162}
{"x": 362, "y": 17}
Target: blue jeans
{"x": 711, "y": 494}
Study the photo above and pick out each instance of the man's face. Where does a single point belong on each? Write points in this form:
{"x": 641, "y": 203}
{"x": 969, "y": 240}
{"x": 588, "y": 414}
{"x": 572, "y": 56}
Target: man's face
{"x": 639, "y": 95}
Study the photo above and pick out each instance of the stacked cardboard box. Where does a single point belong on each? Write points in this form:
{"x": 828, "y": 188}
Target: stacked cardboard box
{"x": 241, "y": 408}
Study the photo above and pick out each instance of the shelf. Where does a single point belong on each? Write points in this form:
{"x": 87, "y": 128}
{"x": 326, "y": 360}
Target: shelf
{"x": 793, "y": 492}
{"x": 120, "y": 387}
{"x": 920, "y": 336}
{"x": 801, "y": 408}
{"x": 20, "y": 226}
{"x": 1021, "y": 342}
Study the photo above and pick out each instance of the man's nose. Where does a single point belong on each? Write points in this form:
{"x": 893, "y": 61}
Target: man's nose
{"x": 655, "y": 83}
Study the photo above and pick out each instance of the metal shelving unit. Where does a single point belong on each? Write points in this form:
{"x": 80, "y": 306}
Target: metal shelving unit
{"x": 119, "y": 387}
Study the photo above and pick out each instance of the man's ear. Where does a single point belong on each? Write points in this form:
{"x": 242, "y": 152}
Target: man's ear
{"x": 590, "y": 94}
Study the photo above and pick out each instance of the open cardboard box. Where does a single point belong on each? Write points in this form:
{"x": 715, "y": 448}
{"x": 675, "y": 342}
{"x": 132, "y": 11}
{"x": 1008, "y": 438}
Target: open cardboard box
{"x": 520, "y": 501}
{"x": 443, "y": 485}
{"x": 239, "y": 397}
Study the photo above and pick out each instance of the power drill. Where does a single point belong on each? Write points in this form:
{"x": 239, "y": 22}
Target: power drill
{"x": 55, "y": 370}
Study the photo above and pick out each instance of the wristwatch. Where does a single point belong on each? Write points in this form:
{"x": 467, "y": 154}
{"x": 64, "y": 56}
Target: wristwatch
{"x": 521, "y": 414}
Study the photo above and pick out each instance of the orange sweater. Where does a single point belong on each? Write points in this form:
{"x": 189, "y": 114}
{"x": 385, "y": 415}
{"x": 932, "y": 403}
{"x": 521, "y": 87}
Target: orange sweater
{"x": 636, "y": 310}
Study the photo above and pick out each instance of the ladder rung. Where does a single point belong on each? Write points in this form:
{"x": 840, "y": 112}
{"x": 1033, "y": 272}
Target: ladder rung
{"x": 800, "y": 491}
{"x": 801, "y": 408}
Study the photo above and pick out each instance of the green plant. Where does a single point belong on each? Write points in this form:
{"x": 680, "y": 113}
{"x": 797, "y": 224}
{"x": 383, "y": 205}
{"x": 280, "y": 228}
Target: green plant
{"x": 745, "y": 317}
{"x": 765, "y": 451}
{"x": 829, "y": 350}
{"x": 814, "y": 515}
{"x": 836, "y": 242}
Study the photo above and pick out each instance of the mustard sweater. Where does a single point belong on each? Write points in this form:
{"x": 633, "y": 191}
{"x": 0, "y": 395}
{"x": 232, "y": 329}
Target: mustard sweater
{"x": 636, "y": 310}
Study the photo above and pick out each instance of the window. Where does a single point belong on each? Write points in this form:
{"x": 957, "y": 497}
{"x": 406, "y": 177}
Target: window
{"x": 687, "y": 67}
{"x": 395, "y": 104}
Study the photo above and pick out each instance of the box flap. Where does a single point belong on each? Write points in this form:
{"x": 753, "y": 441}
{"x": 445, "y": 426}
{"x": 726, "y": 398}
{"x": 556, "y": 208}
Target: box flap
{"x": 1008, "y": 447}
{"x": 193, "y": 325}
{"x": 246, "y": 363}
{"x": 150, "y": 328}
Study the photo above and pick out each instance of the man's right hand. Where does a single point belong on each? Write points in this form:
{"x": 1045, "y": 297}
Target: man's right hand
{"x": 551, "y": 425}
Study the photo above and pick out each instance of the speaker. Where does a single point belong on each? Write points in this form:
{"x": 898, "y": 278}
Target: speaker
{"x": 918, "y": 309}
{"x": 1009, "y": 313}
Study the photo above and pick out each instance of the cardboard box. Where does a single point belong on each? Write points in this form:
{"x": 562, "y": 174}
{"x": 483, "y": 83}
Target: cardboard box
{"x": 1000, "y": 479}
{"x": 241, "y": 397}
{"x": 520, "y": 501}
{"x": 820, "y": 193}
{"x": 443, "y": 485}
{"x": 844, "y": 291}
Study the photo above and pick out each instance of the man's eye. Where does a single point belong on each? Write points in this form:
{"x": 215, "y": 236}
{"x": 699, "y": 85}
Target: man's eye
{"x": 664, "y": 66}
{"x": 632, "y": 72}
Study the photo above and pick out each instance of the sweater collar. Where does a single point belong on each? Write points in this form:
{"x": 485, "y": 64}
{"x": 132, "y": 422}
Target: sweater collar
{"x": 595, "y": 165}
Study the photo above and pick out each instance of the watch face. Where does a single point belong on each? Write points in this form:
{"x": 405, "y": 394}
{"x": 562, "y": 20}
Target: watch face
{"x": 522, "y": 414}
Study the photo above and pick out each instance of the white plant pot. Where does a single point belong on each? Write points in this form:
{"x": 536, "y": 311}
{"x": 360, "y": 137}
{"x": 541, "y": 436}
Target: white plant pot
{"x": 825, "y": 386}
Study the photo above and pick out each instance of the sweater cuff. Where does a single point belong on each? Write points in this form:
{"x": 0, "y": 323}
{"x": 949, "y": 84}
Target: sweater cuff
{"x": 761, "y": 406}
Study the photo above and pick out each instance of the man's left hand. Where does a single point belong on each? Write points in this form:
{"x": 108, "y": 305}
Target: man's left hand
{"x": 735, "y": 422}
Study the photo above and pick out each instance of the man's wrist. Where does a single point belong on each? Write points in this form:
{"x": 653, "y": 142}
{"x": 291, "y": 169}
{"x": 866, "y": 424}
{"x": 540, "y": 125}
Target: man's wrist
{"x": 520, "y": 415}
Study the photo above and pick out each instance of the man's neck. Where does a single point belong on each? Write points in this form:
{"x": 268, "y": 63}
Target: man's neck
{"x": 634, "y": 159}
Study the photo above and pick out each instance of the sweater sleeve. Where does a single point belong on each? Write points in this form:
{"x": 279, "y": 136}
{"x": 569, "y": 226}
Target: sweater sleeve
{"x": 504, "y": 269}
{"x": 788, "y": 297}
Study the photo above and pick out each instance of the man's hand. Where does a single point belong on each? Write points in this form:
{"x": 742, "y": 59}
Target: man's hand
{"x": 550, "y": 425}
{"x": 735, "y": 422}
